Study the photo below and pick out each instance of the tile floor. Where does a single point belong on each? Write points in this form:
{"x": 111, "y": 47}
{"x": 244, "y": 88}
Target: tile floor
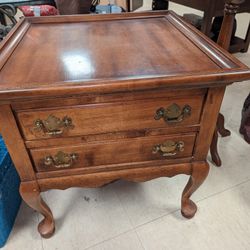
{"x": 147, "y": 216}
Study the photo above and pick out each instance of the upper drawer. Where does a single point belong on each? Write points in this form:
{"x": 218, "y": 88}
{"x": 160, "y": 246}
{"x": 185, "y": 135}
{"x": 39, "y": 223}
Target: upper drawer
{"x": 110, "y": 117}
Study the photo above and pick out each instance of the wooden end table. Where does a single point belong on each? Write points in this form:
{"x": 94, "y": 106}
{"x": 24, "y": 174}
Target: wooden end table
{"x": 88, "y": 108}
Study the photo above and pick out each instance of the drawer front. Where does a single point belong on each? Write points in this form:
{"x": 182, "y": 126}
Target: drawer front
{"x": 112, "y": 117}
{"x": 113, "y": 152}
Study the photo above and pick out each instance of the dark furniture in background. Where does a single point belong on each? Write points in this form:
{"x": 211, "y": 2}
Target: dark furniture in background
{"x": 72, "y": 7}
{"x": 245, "y": 121}
{"x": 215, "y": 8}
{"x": 224, "y": 39}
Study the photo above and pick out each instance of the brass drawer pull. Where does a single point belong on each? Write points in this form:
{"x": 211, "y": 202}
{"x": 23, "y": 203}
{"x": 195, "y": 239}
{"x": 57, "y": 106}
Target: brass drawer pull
{"x": 173, "y": 113}
{"x": 53, "y": 126}
{"x": 61, "y": 160}
{"x": 168, "y": 148}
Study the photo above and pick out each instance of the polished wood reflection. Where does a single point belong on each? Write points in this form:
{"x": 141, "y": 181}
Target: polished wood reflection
{"x": 106, "y": 77}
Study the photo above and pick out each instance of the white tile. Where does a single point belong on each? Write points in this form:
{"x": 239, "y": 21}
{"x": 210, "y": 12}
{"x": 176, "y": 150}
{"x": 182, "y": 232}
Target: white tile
{"x": 147, "y": 201}
{"x": 181, "y": 9}
{"x": 126, "y": 241}
{"x": 235, "y": 96}
{"x": 233, "y": 104}
{"x": 242, "y": 24}
{"x": 85, "y": 217}
{"x": 235, "y": 169}
{"x": 222, "y": 222}
{"x": 24, "y": 234}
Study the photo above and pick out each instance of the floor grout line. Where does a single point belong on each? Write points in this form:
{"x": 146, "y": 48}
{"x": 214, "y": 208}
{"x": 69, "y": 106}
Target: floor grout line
{"x": 218, "y": 193}
{"x": 139, "y": 239}
{"x": 225, "y": 190}
{"x": 164, "y": 215}
{"x": 124, "y": 209}
{"x": 155, "y": 219}
{"x": 111, "y": 238}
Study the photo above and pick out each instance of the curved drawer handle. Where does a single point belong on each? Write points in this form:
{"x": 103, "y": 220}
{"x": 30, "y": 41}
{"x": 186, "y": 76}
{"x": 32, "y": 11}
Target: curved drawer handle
{"x": 173, "y": 113}
{"x": 61, "y": 160}
{"x": 53, "y": 126}
{"x": 168, "y": 148}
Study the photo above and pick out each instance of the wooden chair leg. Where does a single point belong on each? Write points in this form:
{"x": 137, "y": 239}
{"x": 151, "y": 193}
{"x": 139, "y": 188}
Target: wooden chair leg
{"x": 207, "y": 22}
{"x": 221, "y": 126}
{"x": 199, "y": 174}
{"x": 247, "y": 40}
{"x": 31, "y": 195}
{"x": 214, "y": 149}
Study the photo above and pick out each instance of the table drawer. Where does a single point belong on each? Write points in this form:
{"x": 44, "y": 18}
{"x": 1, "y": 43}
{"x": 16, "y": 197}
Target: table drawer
{"x": 113, "y": 152}
{"x": 112, "y": 117}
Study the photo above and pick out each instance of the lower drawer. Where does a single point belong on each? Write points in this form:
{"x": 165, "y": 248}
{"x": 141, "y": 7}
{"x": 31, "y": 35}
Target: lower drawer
{"x": 113, "y": 152}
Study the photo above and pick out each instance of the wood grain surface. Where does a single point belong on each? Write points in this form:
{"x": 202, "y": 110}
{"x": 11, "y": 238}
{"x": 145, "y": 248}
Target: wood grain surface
{"x": 109, "y": 74}
{"x": 105, "y": 118}
{"x": 114, "y": 152}
{"x": 121, "y": 51}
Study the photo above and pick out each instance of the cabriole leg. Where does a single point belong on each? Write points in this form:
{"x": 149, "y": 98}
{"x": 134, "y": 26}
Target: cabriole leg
{"x": 221, "y": 126}
{"x": 199, "y": 173}
{"x": 214, "y": 149}
{"x": 30, "y": 193}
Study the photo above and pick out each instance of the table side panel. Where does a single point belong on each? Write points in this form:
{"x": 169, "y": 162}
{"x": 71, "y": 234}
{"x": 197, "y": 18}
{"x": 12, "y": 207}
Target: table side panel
{"x": 15, "y": 144}
{"x": 208, "y": 122}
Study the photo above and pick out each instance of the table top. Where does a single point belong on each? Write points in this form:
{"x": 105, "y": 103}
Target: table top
{"x": 104, "y": 52}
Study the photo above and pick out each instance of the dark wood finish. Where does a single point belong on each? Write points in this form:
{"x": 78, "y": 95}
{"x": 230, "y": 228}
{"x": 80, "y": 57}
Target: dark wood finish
{"x": 214, "y": 149}
{"x": 125, "y": 94}
{"x": 231, "y": 8}
{"x": 73, "y": 7}
{"x": 215, "y": 8}
{"x": 245, "y": 120}
{"x": 221, "y": 126}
